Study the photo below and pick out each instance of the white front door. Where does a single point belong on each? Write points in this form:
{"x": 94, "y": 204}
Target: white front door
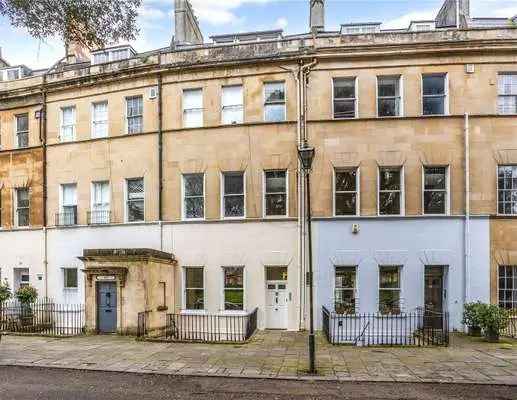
{"x": 276, "y": 304}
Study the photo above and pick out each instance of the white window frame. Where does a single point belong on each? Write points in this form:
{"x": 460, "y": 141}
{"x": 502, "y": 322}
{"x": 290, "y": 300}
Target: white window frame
{"x": 61, "y": 200}
{"x": 70, "y": 288}
{"x": 95, "y": 123}
{"x": 134, "y": 116}
{"x": 16, "y": 208}
{"x": 184, "y": 110}
{"x": 497, "y": 187}
{"x": 223, "y": 289}
{"x": 356, "y": 289}
{"x": 62, "y": 126}
{"x": 183, "y": 208}
{"x": 499, "y": 95}
{"x": 447, "y": 189}
{"x": 126, "y": 200}
{"x": 223, "y": 194}
{"x": 356, "y": 99}
{"x": 513, "y": 290}
{"x": 402, "y": 192}
{"x": 92, "y": 196}
{"x": 264, "y": 104}
{"x": 357, "y": 191}
{"x": 445, "y": 95}
{"x": 184, "y": 309}
{"x": 17, "y": 132}
{"x": 400, "y": 96}
{"x": 232, "y": 106}
{"x": 399, "y": 289}
{"x": 264, "y": 194}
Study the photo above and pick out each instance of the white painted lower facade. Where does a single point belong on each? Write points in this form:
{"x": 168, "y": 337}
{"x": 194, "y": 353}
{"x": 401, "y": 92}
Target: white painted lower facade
{"x": 255, "y": 246}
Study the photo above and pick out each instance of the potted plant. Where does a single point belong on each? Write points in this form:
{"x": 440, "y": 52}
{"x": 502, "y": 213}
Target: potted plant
{"x": 493, "y": 320}
{"x": 472, "y": 317}
{"x": 26, "y": 295}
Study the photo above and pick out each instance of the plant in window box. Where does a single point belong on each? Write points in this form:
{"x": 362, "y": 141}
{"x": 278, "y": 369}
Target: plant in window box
{"x": 493, "y": 320}
{"x": 26, "y": 295}
{"x": 347, "y": 308}
{"x": 472, "y": 317}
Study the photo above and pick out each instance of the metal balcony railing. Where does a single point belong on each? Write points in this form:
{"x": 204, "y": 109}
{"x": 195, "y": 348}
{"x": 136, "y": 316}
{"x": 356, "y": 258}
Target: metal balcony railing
{"x": 98, "y": 217}
{"x": 66, "y": 218}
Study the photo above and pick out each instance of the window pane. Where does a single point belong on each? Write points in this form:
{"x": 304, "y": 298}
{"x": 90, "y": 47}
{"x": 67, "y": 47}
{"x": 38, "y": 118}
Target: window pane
{"x": 232, "y": 96}
{"x": 388, "y": 86}
{"x": 276, "y": 273}
{"x": 389, "y": 301}
{"x": 233, "y": 183}
{"x": 275, "y": 181}
{"x": 434, "y": 178}
{"x": 69, "y": 195}
{"x": 507, "y": 84}
{"x": 195, "y": 299}
{"x": 70, "y": 278}
{"x": 134, "y": 106}
{"x": 389, "y": 107}
{"x": 389, "y": 179}
{"x": 389, "y": 277}
{"x": 346, "y": 181}
{"x": 194, "y": 207}
{"x": 193, "y": 184}
{"x": 434, "y": 105}
{"x": 344, "y": 108}
{"x": 135, "y": 210}
{"x": 344, "y": 88}
{"x": 274, "y": 92}
{"x": 234, "y": 299}
{"x": 434, "y": 202}
{"x": 234, "y": 206}
{"x": 346, "y": 203}
{"x": 22, "y": 197}
{"x": 193, "y": 118}
{"x": 274, "y": 112}
{"x": 232, "y": 115}
{"x": 276, "y": 204}
{"x": 194, "y": 278}
{"x": 507, "y": 104}
{"x": 22, "y": 123}
{"x": 135, "y": 188}
{"x": 345, "y": 277}
{"x": 433, "y": 85}
{"x": 389, "y": 203}
{"x": 233, "y": 277}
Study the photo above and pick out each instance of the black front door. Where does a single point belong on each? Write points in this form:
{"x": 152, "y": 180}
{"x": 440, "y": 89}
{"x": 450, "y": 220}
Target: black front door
{"x": 433, "y": 297}
{"x": 107, "y": 307}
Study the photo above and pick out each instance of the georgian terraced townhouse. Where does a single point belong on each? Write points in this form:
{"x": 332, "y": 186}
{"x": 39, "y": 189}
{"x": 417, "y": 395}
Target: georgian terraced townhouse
{"x": 168, "y": 181}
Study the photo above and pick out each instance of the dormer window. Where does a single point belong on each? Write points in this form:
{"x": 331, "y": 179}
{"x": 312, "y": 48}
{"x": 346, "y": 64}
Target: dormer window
{"x": 13, "y": 73}
{"x": 356, "y": 29}
{"x": 111, "y": 55}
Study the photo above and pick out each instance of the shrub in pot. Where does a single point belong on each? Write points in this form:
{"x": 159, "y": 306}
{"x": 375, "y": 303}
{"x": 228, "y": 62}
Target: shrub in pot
{"x": 472, "y": 317}
{"x": 26, "y": 295}
{"x": 493, "y": 320}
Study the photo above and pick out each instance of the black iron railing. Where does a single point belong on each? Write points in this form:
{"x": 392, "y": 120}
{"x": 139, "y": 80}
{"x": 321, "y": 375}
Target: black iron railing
{"x": 511, "y": 328}
{"x": 423, "y": 328}
{"x": 98, "y": 217}
{"x": 66, "y": 218}
{"x": 211, "y": 328}
{"x": 43, "y": 317}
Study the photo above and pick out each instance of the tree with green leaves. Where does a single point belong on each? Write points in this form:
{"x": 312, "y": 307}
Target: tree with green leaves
{"x": 5, "y": 291}
{"x": 93, "y": 23}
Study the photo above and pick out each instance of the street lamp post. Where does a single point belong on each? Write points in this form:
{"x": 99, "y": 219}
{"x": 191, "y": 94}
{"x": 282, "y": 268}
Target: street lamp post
{"x": 306, "y": 155}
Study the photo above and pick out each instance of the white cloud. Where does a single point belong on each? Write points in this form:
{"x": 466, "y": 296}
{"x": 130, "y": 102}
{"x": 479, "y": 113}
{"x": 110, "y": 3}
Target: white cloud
{"x": 220, "y": 12}
{"x": 281, "y": 23}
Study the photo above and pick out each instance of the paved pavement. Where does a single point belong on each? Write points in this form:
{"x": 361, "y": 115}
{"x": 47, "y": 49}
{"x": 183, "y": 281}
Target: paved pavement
{"x": 272, "y": 354}
{"x": 21, "y": 383}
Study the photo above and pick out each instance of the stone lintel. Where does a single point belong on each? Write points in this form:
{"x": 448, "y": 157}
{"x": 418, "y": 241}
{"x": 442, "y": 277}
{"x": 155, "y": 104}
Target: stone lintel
{"x": 103, "y": 255}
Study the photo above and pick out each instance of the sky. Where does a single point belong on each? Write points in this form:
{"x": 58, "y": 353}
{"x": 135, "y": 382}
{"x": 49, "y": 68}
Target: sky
{"x": 228, "y": 16}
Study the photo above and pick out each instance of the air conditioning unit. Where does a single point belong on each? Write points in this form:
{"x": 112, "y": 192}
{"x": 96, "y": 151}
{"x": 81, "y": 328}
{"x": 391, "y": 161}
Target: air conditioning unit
{"x": 153, "y": 93}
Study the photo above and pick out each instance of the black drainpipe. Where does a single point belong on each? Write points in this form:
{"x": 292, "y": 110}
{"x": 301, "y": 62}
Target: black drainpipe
{"x": 160, "y": 149}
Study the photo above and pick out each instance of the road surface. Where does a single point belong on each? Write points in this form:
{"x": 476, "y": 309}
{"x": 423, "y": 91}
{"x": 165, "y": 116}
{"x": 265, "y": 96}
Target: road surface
{"x": 31, "y": 383}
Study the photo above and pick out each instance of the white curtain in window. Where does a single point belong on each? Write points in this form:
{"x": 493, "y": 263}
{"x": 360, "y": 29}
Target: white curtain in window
{"x": 193, "y": 108}
{"x": 508, "y": 84}
{"x": 68, "y": 123}
{"x": 100, "y": 120}
{"x": 232, "y": 104}
{"x": 69, "y": 195}
{"x": 101, "y": 199}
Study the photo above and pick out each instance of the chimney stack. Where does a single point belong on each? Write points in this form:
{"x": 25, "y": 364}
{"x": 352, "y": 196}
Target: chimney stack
{"x": 317, "y": 16}
{"x": 454, "y": 14}
{"x": 76, "y": 52}
{"x": 186, "y": 25}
